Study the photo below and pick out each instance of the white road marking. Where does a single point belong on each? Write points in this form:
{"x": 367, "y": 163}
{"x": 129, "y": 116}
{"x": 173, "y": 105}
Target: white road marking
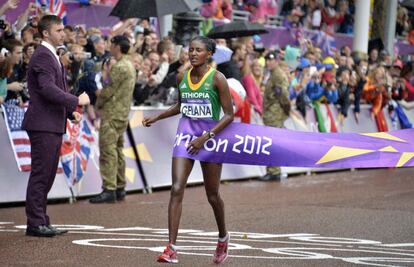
{"x": 184, "y": 238}
{"x": 336, "y": 240}
{"x": 69, "y": 227}
{"x": 302, "y": 246}
{"x": 398, "y": 245}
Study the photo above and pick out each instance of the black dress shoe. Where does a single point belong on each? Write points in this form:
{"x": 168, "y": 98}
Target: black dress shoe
{"x": 56, "y": 230}
{"x": 40, "y": 231}
{"x": 107, "y": 196}
{"x": 270, "y": 177}
{"x": 120, "y": 194}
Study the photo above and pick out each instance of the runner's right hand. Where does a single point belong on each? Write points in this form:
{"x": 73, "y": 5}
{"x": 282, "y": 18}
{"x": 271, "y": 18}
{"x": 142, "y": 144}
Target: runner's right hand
{"x": 147, "y": 122}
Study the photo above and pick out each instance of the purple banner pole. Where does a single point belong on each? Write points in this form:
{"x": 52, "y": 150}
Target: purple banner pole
{"x": 260, "y": 145}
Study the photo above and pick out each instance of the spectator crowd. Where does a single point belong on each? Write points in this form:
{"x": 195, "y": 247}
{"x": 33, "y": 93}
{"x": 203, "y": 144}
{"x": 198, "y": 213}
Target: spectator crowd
{"x": 328, "y": 15}
{"x": 310, "y": 78}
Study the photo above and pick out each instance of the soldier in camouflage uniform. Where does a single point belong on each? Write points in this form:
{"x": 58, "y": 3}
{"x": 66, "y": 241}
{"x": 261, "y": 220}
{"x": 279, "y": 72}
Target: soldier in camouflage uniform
{"x": 276, "y": 104}
{"x": 114, "y": 103}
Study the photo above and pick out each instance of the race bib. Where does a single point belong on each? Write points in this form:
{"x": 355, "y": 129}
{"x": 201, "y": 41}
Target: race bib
{"x": 197, "y": 110}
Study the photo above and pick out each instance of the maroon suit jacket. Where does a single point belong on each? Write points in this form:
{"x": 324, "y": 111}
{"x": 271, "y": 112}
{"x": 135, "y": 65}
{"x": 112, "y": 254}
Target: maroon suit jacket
{"x": 50, "y": 101}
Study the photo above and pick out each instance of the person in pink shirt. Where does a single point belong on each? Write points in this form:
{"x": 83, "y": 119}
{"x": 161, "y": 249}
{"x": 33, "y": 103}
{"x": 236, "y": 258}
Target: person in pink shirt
{"x": 254, "y": 95}
{"x": 263, "y": 9}
{"x": 218, "y": 9}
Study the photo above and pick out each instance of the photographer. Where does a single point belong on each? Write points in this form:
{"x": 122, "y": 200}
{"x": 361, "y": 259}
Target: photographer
{"x": 25, "y": 19}
{"x": 343, "y": 75}
{"x": 81, "y": 72}
{"x": 361, "y": 73}
{"x": 16, "y": 83}
{"x": 81, "y": 75}
{"x": 80, "y": 36}
{"x": 5, "y": 72}
{"x": 28, "y": 51}
{"x": 100, "y": 52}
{"x": 70, "y": 35}
{"x": 142, "y": 89}
{"x": 27, "y": 34}
{"x": 7, "y": 31}
{"x": 148, "y": 44}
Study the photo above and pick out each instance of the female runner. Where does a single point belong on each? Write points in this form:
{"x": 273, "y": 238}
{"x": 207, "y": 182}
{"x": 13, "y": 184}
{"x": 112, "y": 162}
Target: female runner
{"x": 204, "y": 86}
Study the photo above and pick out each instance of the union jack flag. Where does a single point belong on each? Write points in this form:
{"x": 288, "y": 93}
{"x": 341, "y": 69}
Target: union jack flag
{"x": 20, "y": 143}
{"x": 54, "y": 7}
{"x": 75, "y": 151}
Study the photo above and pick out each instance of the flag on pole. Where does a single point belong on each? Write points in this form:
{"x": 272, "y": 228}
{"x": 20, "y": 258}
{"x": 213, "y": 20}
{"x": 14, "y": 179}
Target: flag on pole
{"x": 75, "y": 148}
{"x": 75, "y": 151}
{"x": 54, "y": 7}
{"x": 13, "y": 116}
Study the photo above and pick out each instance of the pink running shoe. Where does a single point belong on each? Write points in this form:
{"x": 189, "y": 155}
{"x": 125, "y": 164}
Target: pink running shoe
{"x": 221, "y": 251}
{"x": 169, "y": 255}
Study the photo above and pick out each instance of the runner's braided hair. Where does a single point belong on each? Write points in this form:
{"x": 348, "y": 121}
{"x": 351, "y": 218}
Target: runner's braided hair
{"x": 209, "y": 43}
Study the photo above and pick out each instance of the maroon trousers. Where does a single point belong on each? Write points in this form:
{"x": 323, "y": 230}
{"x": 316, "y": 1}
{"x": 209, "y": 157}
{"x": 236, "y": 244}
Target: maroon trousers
{"x": 45, "y": 150}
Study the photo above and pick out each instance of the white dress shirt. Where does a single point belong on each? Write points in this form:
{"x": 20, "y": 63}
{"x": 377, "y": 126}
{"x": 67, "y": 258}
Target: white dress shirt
{"x": 53, "y": 50}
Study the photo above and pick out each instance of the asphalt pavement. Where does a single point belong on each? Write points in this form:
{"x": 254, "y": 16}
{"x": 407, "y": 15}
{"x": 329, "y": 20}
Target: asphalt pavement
{"x": 358, "y": 218}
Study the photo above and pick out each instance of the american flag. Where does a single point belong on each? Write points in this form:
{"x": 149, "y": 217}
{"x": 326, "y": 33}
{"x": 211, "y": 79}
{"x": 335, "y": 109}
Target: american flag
{"x": 76, "y": 149}
{"x": 54, "y": 7}
{"x": 13, "y": 116}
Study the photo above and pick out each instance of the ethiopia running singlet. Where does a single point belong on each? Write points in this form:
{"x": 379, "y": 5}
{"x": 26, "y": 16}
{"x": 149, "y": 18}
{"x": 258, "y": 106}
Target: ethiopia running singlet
{"x": 200, "y": 100}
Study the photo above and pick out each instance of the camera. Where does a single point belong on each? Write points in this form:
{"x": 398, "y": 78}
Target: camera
{"x": 106, "y": 61}
{"x": 88, "y": 55}
{"x": 3, "y": 25}
{"x": 4, "y": 52}
{"x": 32, "y": 22}
{"x": 43, "y": 7}
{"x": 25, "y": 89}
{"x": 84, "y": 55}
{"x": 138, "y": 29}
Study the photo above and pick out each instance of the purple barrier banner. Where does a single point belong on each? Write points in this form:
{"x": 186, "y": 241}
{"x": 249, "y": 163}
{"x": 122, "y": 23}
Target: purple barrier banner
{"x": 260, "y": 145}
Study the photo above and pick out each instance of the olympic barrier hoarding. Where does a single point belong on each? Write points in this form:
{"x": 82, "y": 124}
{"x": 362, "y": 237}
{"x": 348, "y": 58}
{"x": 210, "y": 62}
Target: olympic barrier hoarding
{"x": 155, "y": 145}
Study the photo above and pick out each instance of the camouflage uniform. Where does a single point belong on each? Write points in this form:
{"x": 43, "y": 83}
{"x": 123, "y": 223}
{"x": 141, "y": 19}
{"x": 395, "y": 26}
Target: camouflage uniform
{"x": 114, "y": 104}
{"x": 276, "y": 95}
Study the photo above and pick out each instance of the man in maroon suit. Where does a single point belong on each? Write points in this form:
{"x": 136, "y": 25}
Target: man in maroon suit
{"x": 45, "y": 122}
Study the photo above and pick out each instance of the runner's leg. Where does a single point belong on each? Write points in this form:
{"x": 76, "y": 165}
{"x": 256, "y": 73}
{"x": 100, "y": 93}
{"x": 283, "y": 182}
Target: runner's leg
{"x": 181, "y": 169}
{"x": 211, "y": 175}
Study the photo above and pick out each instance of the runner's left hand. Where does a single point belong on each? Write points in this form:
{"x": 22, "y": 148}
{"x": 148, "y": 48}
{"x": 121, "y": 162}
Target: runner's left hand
{"x": 196, "y": 145}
